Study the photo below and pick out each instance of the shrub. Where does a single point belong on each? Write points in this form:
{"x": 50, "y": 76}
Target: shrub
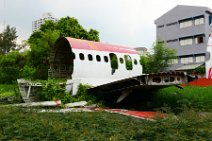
{"x": 200, "y": 70}
{"x": 10, "y": 66}
{"x": 10, "y": 93}
{"x": 199, "y": 98}
{"x": 28, "y": 72}
{"x": 83, "y": 95}
{"x": 52, "y": 90}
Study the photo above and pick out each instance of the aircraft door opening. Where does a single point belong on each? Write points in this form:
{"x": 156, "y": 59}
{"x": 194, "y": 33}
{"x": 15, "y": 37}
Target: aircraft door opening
{"x": 62, "y": 61}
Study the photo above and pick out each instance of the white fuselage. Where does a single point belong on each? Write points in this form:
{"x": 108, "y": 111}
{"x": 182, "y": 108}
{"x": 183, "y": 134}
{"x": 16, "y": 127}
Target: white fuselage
{"x": 209, "y": 62}
{"x": 100, "y": 72}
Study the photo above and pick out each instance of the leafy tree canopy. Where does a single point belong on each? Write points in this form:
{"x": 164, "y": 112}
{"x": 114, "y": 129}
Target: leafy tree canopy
{"x": 11, "y": 66}
{"x": 159, "y": 60}
{"x": 42, "y": 41}
{"x": 7, "y": 40}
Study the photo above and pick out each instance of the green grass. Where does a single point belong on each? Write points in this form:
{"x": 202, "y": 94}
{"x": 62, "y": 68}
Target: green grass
{"x": 189, "y": 96}
{"x": 9, "y": 93}
{"x": 8, "y": 90}
{"x": 18, "y": 124}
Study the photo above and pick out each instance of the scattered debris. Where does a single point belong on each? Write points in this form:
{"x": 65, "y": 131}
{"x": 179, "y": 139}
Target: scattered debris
{"x": 37, "y": 104}
{"x": 64, "y": 110}
{"x": 27, "y": 88}
{"x": 76, "y": 104}
{"x": 137, "y": 114}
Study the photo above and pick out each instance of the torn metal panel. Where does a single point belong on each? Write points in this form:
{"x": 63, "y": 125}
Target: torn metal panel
{"x": 117, "y": 91}
{"x": 76, "y": 104}
{"x": 39, "y": 104}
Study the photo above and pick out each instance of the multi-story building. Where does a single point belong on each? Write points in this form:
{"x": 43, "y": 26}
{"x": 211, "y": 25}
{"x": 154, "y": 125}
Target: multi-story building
{"x": 37, "y": 23}
{"x": 186, "y": 29}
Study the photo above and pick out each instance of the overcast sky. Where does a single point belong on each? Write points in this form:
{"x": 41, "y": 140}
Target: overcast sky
{"x": 122, "y": 22}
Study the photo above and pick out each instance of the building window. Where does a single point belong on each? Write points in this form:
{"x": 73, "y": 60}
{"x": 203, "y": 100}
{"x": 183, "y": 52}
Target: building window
{"x": 160, "y": 26}
{"x": 186, "y": 41}
{"x": 160, "y": 42}
{"x": 186, "y": 23}
{"x": 186, "y": 60}
{"x": 210, "y": 20}
{"x": 199, "y": 20}
{"x": 173, "y": 40}
{"x": 200, "y": 59}
{"x": 199, "y": 39}
{"x": 170, "y": 24}
{"x": 173, "y": 61}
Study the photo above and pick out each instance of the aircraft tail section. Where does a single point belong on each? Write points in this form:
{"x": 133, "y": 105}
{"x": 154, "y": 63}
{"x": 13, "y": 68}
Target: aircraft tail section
{"x": 209, "y": 61}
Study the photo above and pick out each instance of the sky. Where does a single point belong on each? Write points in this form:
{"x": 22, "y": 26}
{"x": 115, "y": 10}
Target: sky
{"x": 120, "y": 22}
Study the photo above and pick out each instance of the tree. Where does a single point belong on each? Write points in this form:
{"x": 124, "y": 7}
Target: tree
{"x": 159, "y": 60}
{"x": 11, "y": 66}
{"x": 7, "y": 40}
{"x": 42, "y": 41}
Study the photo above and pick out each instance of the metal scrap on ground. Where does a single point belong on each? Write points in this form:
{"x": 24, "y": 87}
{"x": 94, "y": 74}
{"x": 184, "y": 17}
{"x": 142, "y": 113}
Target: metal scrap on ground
{"x": 37, "y": 104}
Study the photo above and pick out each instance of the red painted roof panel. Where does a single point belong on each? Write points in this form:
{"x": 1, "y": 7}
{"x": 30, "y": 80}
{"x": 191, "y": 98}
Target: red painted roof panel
{"x": 97, "y": 46}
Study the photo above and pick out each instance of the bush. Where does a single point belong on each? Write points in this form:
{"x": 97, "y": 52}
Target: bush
{"x": 83, "y": 95}
{"x": 28, "y": 72}
{"x": 200, "y": 70}
{"x": 52, "y": 90}
{"x": 199, "y": 98}
{"x": 10, "y": 93}
{"x": 10, "y": 66}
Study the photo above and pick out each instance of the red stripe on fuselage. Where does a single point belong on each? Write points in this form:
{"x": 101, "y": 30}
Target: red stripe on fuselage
{"x": 97, "y": 46}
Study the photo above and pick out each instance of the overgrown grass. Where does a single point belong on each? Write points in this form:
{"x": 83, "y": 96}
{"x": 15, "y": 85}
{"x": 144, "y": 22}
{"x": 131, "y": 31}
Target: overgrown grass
{"x": 19, "y": 124}
{"x": 199, "y": 98}
{"x": 10, "y": 90}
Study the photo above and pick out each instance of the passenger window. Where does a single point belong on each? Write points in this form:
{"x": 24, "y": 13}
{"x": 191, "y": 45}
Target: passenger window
{"x": 128, "y": 61}
{"x": 98, "y": 58}
{"x": 90, "y": 57}
{"x": 113, "y": 61}
{"x": 135, "y": 62}
{"x": 106, "y": 58}
{"x": 81, "y": 56}
{"x": 73, "y": 55}
{"x": 121, "y": 60}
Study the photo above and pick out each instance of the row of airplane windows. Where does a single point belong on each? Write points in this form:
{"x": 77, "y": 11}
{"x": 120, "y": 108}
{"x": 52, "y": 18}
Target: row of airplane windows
{"x": 98, "y": 58}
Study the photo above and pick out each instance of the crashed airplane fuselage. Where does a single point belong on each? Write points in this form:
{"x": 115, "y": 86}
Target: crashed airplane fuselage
{"x": 106, "y": 67}
{"x": 100, "y": 65}
{"x": 92, "y": 63}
